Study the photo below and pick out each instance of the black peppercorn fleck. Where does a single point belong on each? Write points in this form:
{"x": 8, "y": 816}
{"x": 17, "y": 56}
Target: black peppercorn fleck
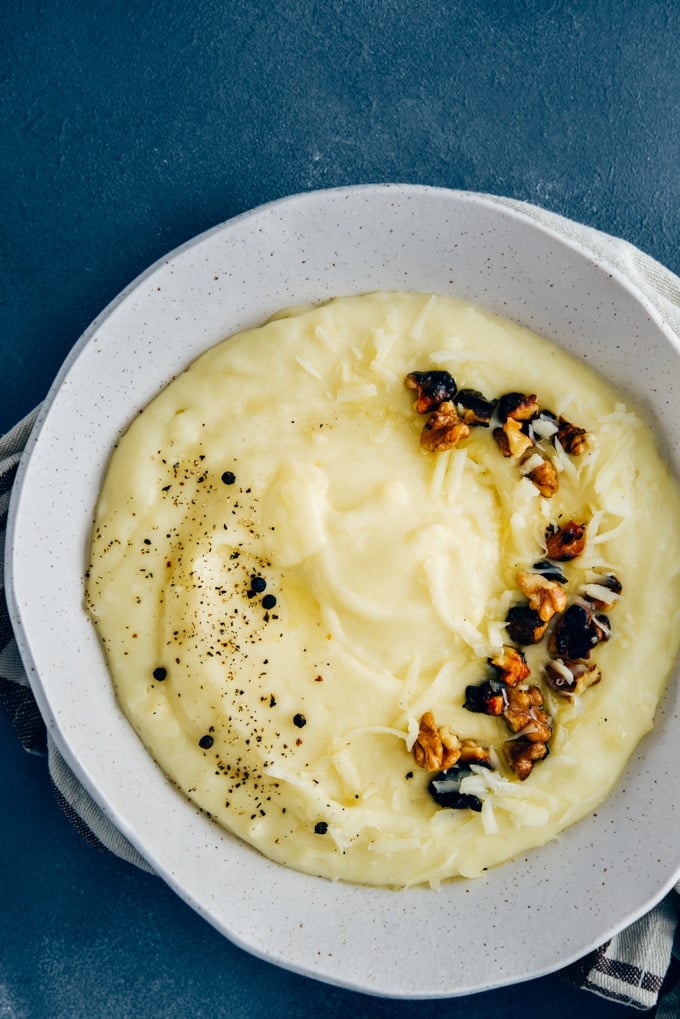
{"x": 269, "y": 601}
{"x": 229, "y": 477}
{"x": 321, "y": 827}
{"x": 258, "y": 584}
{"x": 299, "y": 720}
{"x": 159, "y": 674}
{"x": 205, "y": 742}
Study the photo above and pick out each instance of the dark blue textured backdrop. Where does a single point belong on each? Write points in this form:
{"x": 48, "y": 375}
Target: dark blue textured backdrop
{"x": 129, "y": 127}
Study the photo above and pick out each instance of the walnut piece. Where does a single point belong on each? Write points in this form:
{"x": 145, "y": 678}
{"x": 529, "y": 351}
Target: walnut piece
{"x": 546, "y": 597}
{"x": 511, "y": 440}
{"x": 511, "y": 665}
{"x": 569, "y": 679}
{"x": 471, "y": 752}
{"x": 572, "y": 438}
{"x": 487, "y": 698}
{"x": 603, "y": 591}
{"x": 578, "y": 631}
{"x": 524, "y": 624}
{"x": 522, "y": 756}
{"x": 518, "y": 406}
{"x": 435, "y": 749}
{"x": 543, "y": 474}
{"x": 443, "y": 429}
{"x": 433, "y": 387}
{"x": 474, "y": 408}
{"x": 565, "y": 543}
{"x": 524, "y": 713}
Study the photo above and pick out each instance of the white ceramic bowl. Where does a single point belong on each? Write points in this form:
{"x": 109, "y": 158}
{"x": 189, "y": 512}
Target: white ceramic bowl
{"x": 521, "y": 920}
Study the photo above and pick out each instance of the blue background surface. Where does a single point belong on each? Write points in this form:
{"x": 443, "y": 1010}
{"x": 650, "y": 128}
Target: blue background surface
{"x": 128, "y": 128}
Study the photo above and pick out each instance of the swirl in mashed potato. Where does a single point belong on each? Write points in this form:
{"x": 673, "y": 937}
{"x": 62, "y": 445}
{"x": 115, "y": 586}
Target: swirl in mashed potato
{"x": 284, "y": 582}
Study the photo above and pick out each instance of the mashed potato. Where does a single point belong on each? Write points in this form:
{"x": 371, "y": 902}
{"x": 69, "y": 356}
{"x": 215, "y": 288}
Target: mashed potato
{"x": 285, "y": 582}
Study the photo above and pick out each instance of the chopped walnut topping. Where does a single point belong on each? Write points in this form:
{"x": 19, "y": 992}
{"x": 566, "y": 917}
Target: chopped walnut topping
{"x": 517, "y": 406}
{"x": 549, "y": 570}
{"x": 542, "y": 473}
{"x": 524, "y": 713}
{"x": 511, "y": 665}
{"x": 565, "y": 543}
{"x": 603, "y": 591}
{"x": 522, "y": 756}
{"x": 511, "y": 440}
{"x": 443, "y": 429}
{"x": 501, "y": 440}
{"x": 471, "y": 752}
{"x": 488, "y": 698}
{"x": 473, "y": 408}
{"x": 444, "y": 788}
{"x": 434, "y": 388}
{"x": 525, "y": 626}
{"x": 578, "y": 631}
{"x": 569, "y": 679}
{"x": 572, "y": 438}
{"x": 546, "y": 597}
{"x": 435, "y": 749}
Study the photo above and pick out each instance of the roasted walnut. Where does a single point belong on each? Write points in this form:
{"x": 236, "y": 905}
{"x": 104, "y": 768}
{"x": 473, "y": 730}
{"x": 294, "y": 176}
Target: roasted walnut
{"x": 546, "y": 597}
{"x": 434, "y": 388}
{"x": 488, "y": 698}
{"x": 435, "y": 749}
{"x": 578, "y": 631}
{"x": 572, "y": 438}
{"x": 525, "y": 626}
{"x": 444, "y": 789}
{"x": 473, "y": 408}
{"x": 551, "y": 571}
{"x": 541, "y": 472}
{"x": 511, "y": 665}
{"x": 603, "y": 591}
{"x": 472, "y": 752}
{"x": 511, "y": 439}
{"x": 518, "y": 406}
{"x": 565, "y": 543}
{"x": 524, "y": 713}
{"x": 522, "y": 756}
{"x": 443, "y": 429}
{"x": 569, "y": 679}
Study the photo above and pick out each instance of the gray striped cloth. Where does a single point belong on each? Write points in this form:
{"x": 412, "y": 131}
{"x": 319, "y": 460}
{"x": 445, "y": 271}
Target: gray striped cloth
{"x": 636, "y": 967}
{"x": 18, "y": 701}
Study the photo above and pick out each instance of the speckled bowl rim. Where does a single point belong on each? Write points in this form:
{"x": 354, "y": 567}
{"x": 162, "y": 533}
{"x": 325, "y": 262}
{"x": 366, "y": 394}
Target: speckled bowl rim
{"x": 522, "y": 920}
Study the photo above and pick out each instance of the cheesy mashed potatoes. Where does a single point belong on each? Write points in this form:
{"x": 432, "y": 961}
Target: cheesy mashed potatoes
{"x": 287, "y": 581}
